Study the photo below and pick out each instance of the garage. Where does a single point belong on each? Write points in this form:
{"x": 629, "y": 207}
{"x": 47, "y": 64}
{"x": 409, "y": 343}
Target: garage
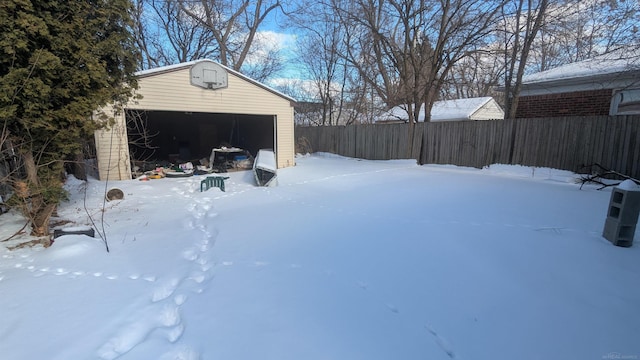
{"x": 182, "y": 112}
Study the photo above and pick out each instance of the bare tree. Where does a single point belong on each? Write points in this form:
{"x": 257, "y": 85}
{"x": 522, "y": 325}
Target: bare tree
{"x": 476, "y": 75}
{"x": 576, "y": 30}
{"x": 141, "y": 147}
{"x": 264, "y": 59}
{"x": 320, "y": 43}
{"x": 234, "y": 25}
{"x": 530, "y": 40}
{"x": 166, "y": 35}
{"x": 404, "y": 49}
{"x": 522, "y": 20}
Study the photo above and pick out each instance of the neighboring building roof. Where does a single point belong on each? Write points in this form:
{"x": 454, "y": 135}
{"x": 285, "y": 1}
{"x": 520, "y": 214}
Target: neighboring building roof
{"x": 452, "y": 110}
{"x": 188, "y": 64}
{"x": 609, "y": 71}
{"x": 612, "y": 63}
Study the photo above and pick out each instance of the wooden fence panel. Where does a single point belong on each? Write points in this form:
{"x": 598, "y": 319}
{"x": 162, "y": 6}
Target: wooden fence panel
{"x": 571, "y": 143}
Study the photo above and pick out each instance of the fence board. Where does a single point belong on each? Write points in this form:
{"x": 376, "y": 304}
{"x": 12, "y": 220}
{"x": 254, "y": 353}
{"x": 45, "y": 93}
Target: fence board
{"x": 570, "y": 143}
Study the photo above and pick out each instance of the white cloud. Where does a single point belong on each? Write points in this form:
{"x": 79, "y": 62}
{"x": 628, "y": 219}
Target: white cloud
{"x": 269, "y": 42}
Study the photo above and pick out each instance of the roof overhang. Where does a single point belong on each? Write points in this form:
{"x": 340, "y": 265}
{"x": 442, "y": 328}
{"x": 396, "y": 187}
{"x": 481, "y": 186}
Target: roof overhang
{"x": 596, "y": 82}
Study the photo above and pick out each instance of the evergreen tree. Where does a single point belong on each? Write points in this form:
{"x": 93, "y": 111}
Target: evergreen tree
{"x": 59, "y": 61}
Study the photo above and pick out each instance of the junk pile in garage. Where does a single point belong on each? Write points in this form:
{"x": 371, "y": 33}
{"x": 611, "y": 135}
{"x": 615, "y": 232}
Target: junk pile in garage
{"x": 223, "y": 159}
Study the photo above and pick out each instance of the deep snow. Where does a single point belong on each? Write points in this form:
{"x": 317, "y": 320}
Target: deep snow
{"x": 345, "y": 259}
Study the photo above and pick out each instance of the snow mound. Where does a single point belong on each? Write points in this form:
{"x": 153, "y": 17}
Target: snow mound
{"x": 628, "y": 185}
{"x": 68, "y": 246}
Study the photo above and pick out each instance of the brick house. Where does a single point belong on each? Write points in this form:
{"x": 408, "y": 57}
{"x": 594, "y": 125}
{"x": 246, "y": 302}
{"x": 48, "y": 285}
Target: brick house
{"x": 604, "y": 85}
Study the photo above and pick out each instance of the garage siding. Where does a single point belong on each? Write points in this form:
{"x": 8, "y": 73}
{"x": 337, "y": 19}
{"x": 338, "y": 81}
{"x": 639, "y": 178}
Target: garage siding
{"x": 285, "y": 137}
{"x": 171, "y": 90}
{"x": 112, "y": 148}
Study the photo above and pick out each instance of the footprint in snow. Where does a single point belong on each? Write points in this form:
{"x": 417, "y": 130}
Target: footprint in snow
{"x": 198, "y": 277}
{"x": 165, "y": 320}
{"x": 165, "y": 290}
{"x": 180, "y": 299}
{"x": 169, "y": 316}
{"x": 191, "y": 225}
{"x": 174, "y": 333}
{"x": 393, "y": 308}
{"x": 190, "y": 255}
{"x": 183, "y": 353}
{"x": 441, "y": 342}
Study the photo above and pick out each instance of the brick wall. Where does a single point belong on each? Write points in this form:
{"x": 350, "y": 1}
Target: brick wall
{"x": 581, "y": 103}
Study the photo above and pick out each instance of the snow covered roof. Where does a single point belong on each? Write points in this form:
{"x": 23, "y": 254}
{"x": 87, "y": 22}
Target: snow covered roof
{"x": 445, "y": 110}
{"x": 188, "y": 64}
{"x": 457, "y": 109}
{"x": 607, "y": 64}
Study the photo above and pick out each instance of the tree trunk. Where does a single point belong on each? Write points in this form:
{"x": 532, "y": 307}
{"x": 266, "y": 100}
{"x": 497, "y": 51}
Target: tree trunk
{"x": 79, "y": 169}
{"x": 30, "y": 167}
{"x": 412, "y": 129}
{"x": 40, "y": 221}
{"x": 35, "y": 207}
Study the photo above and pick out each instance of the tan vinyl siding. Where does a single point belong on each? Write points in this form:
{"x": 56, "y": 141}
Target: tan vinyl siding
{"x": 173, "y": 92}
{"x": 112, "y": 148}
{"x": 285, "y": 140}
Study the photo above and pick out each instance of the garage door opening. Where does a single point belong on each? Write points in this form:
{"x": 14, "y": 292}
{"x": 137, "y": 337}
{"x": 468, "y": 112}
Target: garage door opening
{"x": 176, "y": 137}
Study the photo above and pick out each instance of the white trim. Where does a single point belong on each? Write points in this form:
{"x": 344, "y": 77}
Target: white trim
{"x": 599, "y": 82}
{"x": 633, "y": 100}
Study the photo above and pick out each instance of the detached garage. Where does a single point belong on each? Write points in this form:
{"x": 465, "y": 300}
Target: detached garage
{"x": 191, "y": 108}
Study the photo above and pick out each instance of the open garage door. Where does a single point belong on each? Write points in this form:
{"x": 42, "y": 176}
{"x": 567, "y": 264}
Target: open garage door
{"x": 170, "y": 136}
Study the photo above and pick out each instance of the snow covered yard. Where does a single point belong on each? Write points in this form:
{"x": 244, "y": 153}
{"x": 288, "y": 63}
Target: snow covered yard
{"x": 345, "y": 259}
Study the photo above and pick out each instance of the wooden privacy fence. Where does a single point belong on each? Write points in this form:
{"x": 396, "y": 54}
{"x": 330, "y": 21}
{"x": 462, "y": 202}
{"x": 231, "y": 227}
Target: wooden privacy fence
{"x": 571, "y": 143}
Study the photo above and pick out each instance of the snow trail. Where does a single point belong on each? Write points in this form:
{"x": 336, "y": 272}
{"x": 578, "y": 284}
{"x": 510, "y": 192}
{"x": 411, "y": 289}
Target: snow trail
{"x": 161, "y": 316}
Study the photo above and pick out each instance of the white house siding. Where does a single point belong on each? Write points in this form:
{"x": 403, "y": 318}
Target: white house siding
{"x": 489, "y": 111}
{"x": 172, "y": 91}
